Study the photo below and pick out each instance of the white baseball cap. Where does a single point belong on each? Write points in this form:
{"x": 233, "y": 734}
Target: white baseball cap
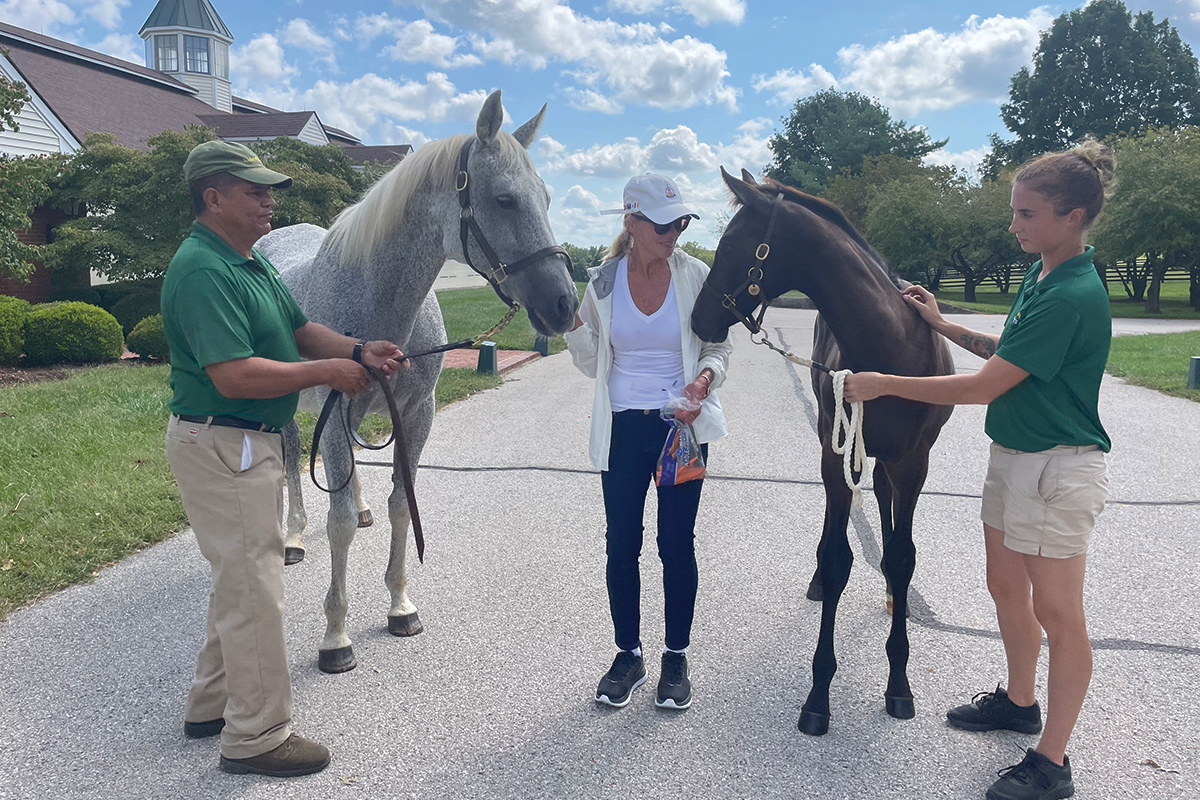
{"x": 655, "y": 197}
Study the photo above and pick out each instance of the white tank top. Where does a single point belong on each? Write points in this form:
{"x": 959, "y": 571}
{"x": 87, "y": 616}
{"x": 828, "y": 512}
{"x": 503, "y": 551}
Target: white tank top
{"x": 647, "y": 350}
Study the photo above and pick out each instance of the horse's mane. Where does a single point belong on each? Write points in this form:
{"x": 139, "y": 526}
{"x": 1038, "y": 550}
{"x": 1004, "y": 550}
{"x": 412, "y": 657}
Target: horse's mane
{"x": 831, "y": 213}
{"x": 373, "y": 220}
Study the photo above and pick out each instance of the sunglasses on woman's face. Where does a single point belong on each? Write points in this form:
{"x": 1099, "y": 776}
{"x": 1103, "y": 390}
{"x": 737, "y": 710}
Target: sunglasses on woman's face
{"x": 679, "y": 225}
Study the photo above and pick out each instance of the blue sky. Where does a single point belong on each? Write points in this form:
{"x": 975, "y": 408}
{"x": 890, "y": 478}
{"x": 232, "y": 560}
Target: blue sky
{"x": 671, "y": 86}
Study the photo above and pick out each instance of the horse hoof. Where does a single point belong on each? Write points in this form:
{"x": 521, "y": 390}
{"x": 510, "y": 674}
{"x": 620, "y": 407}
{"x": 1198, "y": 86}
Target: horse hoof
{"x": 900, "y": 707}
{"x": 336, "y": 661}
{"x": 365, "y": 519}
{"x": 815, "y": 592}
{"x": 813, "y": 724}
{"x": 292, "y": 555}
{"x": 405, "y": 625}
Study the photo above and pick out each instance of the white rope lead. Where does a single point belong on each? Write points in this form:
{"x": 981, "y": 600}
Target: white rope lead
{"x": 848, "y": 431}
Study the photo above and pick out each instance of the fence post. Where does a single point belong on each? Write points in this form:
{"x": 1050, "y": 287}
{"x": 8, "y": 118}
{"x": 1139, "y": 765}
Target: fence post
{"x": 1194, "y": 373}
{"x": 542, "y": 344}
{"x": 487, "y": 358}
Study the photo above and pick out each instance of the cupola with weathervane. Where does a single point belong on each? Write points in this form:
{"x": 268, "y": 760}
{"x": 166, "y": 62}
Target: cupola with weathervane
{"x": 188, "y": 40}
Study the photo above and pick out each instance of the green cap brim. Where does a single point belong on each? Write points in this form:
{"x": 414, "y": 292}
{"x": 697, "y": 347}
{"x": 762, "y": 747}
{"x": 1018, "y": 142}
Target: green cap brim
{"x": 262, "y": 175}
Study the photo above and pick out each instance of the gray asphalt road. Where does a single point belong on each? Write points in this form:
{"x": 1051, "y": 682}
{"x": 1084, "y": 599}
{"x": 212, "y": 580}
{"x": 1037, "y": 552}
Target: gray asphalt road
{"x": 494, "y": 699}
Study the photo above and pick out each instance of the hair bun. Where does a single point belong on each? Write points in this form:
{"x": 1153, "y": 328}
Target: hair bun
{"x": 1102, "y": 159}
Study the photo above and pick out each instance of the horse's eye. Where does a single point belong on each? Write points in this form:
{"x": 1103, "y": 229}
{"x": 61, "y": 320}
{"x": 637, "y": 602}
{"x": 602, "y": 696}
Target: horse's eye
{"x": 506, "y": 201}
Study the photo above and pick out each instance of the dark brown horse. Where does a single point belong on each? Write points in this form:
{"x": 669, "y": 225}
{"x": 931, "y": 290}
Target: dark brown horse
{"x": 864, "y": 324}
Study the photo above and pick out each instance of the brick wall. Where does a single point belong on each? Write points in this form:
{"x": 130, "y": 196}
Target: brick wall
{"x": 38, "y": 288}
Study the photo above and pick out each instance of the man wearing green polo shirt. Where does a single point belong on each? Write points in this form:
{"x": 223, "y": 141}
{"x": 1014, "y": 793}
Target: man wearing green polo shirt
{"x": 237, "y": 340}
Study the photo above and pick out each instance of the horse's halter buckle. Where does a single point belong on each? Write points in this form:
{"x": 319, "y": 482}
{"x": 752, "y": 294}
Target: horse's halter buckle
{"x": 754, "y": 277}
{"x": 500, "y": 272}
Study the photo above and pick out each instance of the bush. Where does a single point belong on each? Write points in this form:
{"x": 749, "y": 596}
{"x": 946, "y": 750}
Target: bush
{"x": 147, "y": 338}
{"x": 133, "y": 308}
{"x": 89, "y": 296}
{"x": 113, "y": 293}
{"x": 13, "y": 311}
{"x": 59, "y": 332}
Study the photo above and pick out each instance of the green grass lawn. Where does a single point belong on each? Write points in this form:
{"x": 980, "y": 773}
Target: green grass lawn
{"x": 1173, "y": 301}
{"x": 1157, "y": 361}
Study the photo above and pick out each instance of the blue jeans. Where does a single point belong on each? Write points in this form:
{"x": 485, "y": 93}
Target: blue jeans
{"x": 637, "y": 441}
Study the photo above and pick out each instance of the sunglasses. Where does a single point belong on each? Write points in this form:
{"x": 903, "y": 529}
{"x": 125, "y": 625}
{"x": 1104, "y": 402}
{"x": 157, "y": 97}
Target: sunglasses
{"x": 679, "y": 225}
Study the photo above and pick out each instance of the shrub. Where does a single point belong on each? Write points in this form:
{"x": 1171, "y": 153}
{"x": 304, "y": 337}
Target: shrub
{"x": 133, "y": 308}
{"x": 113, "y": 293}
{"x": 89, "y": 296}
{"x": 147, "y": 338}
{"x": 13, "y": 311}
{"x": 60, "y": 332}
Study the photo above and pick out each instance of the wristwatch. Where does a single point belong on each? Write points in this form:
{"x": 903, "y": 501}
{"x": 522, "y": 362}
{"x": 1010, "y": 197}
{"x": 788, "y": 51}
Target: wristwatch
{"x": 358, "y": 348}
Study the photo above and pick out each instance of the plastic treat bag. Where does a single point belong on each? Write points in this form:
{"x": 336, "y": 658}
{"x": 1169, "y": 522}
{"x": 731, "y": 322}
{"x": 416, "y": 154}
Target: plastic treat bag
{"x": 681, "y": 459}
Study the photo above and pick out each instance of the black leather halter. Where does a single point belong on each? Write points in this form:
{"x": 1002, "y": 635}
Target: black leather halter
{"x": 754, "y": 276}
{"x": 500, "y": 271}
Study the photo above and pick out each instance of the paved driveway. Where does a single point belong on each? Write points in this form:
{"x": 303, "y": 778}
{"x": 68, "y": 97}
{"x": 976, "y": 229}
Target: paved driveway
{"x": 494, "y": 699}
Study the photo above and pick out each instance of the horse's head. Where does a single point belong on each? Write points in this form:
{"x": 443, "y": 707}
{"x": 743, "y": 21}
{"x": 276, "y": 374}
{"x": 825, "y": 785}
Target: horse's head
{"x": 501, "y": 220}
{"x": 740, "y": 280}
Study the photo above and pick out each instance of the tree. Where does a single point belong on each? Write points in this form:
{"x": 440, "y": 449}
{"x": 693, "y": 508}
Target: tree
{"x": 831, "y": 131}
{"x": 583, "y": 259}
{"x": 855, "y": 192}
{"x": 22, "y": 187}
{"x": 140, "y": 209}
{"x": 1098, "y": 71}
{"x": 1154, "y": 216}
{"x": 694, "y": 250}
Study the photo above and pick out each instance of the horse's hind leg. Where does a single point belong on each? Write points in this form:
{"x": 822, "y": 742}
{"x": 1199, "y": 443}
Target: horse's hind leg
{"x": 365, "y": 518}
{"x": 403, "y": 619}
{"x": 899, "y": 561}
{"x": 834, "y": 564}
{"x": 297, "y": 520}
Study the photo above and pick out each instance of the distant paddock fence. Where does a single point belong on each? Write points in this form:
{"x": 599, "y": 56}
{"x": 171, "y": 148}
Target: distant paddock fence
{"x": 953, "y": 281}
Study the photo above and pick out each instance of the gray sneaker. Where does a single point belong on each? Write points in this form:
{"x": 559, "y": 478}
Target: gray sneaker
{"x": 674, "y": 684}
{"x": 295, "y": 757}
{"x": 628, "y": 672}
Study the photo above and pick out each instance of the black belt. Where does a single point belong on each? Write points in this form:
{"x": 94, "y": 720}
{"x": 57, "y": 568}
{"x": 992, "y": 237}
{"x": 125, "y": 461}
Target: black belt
{"x": 226, "y": 421}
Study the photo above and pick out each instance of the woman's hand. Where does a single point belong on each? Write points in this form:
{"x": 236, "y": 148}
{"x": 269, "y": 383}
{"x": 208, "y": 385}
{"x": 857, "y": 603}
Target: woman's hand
{"x": 863, "y": 386}
{"x": 926, "y": 305}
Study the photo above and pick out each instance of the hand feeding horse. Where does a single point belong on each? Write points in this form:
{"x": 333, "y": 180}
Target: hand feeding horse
{"x": 782, "y": 239}
{"x": 477, "y": 199}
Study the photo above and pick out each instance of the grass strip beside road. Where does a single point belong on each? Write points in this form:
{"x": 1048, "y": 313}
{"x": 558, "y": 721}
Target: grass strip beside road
{"x": 1157, "y": 361}
{"x": 1173, "y": 301}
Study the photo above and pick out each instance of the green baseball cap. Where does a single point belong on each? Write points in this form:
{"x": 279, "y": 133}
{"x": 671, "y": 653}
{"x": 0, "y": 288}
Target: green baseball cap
{"x": 209, "y": 158}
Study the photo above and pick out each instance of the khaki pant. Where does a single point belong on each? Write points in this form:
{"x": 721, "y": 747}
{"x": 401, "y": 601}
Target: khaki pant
{"x": 231, "y": 481}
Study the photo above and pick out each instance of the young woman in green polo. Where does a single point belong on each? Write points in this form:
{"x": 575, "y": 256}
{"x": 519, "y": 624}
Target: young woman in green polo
{"x": 1046, "y": 480}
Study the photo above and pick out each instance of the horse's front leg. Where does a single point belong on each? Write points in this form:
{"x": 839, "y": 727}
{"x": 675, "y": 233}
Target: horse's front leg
{"x": 403, "y": 619}
{"x": 899, "y": 561}
{"x": 834, "y": 561}
{"x": 297, "y": 520}
{"x": 365, "y": 518}
{"x": 337, "y": 653}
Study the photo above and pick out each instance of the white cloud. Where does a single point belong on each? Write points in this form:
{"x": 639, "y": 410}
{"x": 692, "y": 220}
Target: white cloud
{"x": 927, "y": 70}
{"x": 125, "y": 46}
{"x": 106, "y": 12}
{"x": 37, "y": 15}
{"x": 405, "y": 135}
{"x": 299, "y": 33}
{"x": 677, "y": 150}
{"x": 415, "y": 41}
{"x": 259, "y": 61}
{"x": 671, "y": 151}
{"x": 631, "y": 64}
{"x": 589, "y": 100}
{"x": 966, "y": 160}
{"x": 788, "y": 86}
{"x": 749, "y": 150}
{"x": 621, "y": 159}
{"x": 579, "y": 197}
{"x": 703, "y": 11}
{"x": 372, "y": 106}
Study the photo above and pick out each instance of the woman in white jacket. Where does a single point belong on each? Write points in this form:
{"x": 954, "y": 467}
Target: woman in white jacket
{"x": 633, "y": 334}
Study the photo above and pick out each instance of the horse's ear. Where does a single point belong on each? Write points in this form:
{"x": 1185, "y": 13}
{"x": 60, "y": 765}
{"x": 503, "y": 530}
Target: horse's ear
{"x": 490, "y": 117}
{"x": 528, "y": 132}
{"x": 747, "y": 176}
{"x": 745, "y": 194}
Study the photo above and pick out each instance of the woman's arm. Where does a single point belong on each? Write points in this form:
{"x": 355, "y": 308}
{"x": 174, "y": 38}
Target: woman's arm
{"x": 981, "y": 344}
{"x": 995, "y": 378}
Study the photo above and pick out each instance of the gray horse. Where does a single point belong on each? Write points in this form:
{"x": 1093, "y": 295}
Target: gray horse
{"x": 371, "y": 277}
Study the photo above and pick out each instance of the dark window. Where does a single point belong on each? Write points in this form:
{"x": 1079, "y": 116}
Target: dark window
{"x": 166, "y": 53}
{"x": 196, "y": 48}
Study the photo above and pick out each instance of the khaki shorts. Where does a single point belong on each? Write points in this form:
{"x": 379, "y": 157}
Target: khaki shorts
{"x": 1045, "y": 502}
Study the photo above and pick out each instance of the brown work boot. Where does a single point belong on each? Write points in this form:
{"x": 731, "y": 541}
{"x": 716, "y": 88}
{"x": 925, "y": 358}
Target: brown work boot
{"x": 296, "y": 756}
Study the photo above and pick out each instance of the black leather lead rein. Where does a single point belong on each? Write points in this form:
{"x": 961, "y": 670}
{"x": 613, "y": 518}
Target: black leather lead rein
{"x": 467, "y": 225}
{"x": 400, "y": 466}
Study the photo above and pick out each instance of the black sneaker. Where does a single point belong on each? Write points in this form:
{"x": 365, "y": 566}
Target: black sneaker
{"x": 627, "y": 673}
{"x": 992, "y": 711}
{"x": 674, "y": 685}
{"x": 1035, "y": 778}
